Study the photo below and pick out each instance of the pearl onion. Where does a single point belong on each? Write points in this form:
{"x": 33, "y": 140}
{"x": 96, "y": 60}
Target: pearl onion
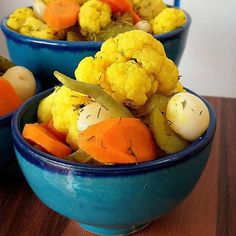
{"x": 143, "y": 25}
{"x": 39, "y": 8}
{"x": 22, "y": 80}
{"x": 92, "y": 114}
{"x": 187, "y": 115}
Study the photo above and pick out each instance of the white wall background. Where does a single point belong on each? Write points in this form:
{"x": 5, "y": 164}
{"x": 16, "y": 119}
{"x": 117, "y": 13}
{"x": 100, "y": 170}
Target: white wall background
{"x": 208, "y": 65}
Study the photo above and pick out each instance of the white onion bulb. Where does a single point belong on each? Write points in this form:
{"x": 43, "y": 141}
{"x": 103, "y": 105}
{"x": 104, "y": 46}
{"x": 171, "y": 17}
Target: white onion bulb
{"x": 187, "y": 115}
{"x": 22, "y": 80}
{"x": 39, "y": 8}
{"x": 92, "y": 114}
{"x": 143, "y": 25}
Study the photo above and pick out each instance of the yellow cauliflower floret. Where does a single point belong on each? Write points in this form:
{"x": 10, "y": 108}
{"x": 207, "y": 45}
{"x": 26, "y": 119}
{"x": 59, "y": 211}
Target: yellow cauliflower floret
{"x": 65, "y": 113}
{"x": 18, "y": 17}
{"x": 148, "y": 9}
{"x": 45, "y": 108}
{"x": 93, "y": 16}
{"x": 130, "y": 70}
{"x": 168, "y": 77}
{"x": 168, "y": 20}
{"x": 178, "y": 89}
{"x": 98, "y": 67}
{"x": 36, "y": 28}
{"x": 133, "y": 84}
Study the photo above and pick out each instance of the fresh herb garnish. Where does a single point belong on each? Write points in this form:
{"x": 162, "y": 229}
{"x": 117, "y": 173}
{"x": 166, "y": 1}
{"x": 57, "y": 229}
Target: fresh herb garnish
{"x": 99, "y": 110}
{"x": 91, "y": 138}
{"x": 184, "y": 104}
{"x": 88, "y": 116}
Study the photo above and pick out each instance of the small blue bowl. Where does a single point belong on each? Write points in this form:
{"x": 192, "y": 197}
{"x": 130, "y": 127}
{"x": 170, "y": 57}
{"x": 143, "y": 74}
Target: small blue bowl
{"x": 110, "y": 200}
{"x": 7, "y": 155}
{"x": 43, "y": 57}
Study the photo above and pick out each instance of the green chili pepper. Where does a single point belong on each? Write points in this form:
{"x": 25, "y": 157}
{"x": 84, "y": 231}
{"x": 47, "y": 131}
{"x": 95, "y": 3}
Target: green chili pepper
{"x": 5, "y": 64}
{"x": 96, "y": 92}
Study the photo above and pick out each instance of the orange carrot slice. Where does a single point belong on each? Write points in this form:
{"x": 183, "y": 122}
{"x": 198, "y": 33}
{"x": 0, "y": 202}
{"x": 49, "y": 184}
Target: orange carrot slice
{"x": 9, "y": 100}
{"x": 119, "y": 140}
{"x": 123, "y": 6}
{"x": 61, "y": 14}
{"x": 40, "y": 135}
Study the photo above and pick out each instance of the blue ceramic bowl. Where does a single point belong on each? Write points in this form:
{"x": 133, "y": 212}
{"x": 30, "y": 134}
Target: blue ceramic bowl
{"x": 7, "y": 155}
{"x": 43, "y": 57}
{"x": 110, "y": 200}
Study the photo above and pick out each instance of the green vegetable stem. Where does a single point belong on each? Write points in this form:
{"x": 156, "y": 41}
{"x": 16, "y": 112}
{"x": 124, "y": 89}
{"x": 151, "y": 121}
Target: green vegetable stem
{"x": 96, "y": 92}
{"x": 80, "y": 156}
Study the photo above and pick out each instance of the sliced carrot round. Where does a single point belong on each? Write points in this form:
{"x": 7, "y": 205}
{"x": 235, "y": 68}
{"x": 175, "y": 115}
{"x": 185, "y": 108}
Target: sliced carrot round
{"x": 119, "y": 140}
{"x": 61, "y": 14}
{"x": 40, "y": 135}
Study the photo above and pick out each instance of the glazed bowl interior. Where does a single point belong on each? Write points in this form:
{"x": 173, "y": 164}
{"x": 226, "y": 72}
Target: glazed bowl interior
{"x": 43, "y": 57}
{"x": 112, "y": 199}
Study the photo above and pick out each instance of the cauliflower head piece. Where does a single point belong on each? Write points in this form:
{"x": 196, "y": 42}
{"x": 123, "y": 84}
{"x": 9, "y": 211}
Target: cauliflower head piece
{"x": 65, "y": 111}
{"x": 18, "y": 18}
{"x": 44, "y": 111}
{"x": 93, "y": 16}
{"x": 130, "y": 67}
{"x": 168, "y": 20}
{"x": 62, "y": 106}
{"x": 36, "y": 28}
{"x": 148, "y": 9}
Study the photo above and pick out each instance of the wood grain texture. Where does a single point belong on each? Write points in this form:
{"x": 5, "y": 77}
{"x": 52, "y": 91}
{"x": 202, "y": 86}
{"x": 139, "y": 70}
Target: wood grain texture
{"x": 210, "y": 210}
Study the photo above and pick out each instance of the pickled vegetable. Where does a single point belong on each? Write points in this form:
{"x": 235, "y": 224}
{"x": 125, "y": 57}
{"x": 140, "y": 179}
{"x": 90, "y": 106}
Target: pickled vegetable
{"x": 184, "y": 108}
{"x": 112, "y": 30}
{"x": 95, "y": 91}
{"x": 165, "y": 137}
{"x": 39, "y": 8}
{"x": 22, "y": 80}
{"x": 80, "y": 156}
{"x": 91, "y": 114}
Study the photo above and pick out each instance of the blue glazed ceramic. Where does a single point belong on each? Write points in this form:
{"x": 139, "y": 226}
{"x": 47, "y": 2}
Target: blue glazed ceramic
{"x": 110, "y": 200}
{"x": 43, "y": 57}
{"x": 6, "y": 145}
{"x": 7, "y": 155}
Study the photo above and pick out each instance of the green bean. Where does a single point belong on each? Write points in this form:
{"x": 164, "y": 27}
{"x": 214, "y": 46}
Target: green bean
{"x": 96, "y": 92}
{"x": 5, "y": 64}
{"x": 79, "y": 156}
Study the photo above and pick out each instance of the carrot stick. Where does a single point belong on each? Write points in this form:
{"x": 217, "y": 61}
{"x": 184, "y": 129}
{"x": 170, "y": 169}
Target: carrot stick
{"x": 119, "y": 140}
{"x": 9, "y": 100}
{"x": 40, "y": 135}
{"x": 123, "y": 6}
{"x": 61, "y": 14}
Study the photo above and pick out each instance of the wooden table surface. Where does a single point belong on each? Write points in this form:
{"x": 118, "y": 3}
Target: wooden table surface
{"x": 209, "y": 210}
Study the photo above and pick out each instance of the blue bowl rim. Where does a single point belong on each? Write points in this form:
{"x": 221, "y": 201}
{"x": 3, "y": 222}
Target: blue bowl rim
{"x": 81, "y": 44}
{"x": 159, "y": 163}
{"x": 6, "y": 118}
